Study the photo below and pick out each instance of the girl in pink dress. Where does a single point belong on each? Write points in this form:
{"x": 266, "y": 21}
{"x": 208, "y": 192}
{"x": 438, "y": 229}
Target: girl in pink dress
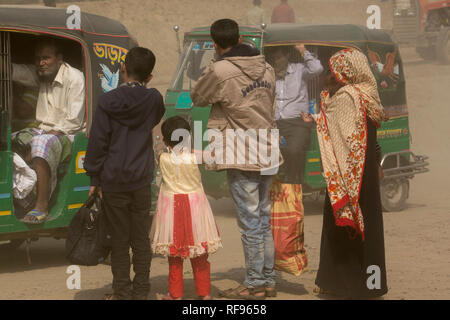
{"x": 184, "y": 223}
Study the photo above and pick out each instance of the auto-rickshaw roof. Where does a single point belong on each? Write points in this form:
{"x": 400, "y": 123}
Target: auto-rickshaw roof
{"x": 292, "y": 32}
{"x": 345, "y": 33}
{"x": 206, "y": 30}
{"x": 56, "y": 18}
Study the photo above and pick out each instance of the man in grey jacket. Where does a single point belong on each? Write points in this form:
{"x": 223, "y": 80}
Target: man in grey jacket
{"x": 241, "y": 87}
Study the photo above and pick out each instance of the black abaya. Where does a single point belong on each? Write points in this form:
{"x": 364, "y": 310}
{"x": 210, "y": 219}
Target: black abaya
{"x": 345, "y": 263}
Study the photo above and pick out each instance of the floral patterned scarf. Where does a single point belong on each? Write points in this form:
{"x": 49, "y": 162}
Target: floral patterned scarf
{"x": 342, "y": 133}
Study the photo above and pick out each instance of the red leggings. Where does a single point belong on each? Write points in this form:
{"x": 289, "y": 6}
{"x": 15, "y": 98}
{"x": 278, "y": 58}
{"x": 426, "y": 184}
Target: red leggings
{"x": 201, "y": 268}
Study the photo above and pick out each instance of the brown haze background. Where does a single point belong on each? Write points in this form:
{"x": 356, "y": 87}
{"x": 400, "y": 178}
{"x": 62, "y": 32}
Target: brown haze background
{"x": 151, "y": 22}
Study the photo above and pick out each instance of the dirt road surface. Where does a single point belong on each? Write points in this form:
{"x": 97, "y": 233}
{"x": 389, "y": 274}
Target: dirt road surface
{"x": 416, "y": 239}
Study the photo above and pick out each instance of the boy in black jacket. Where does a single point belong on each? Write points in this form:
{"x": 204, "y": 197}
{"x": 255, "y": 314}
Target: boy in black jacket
{"x": 120, "y": 163}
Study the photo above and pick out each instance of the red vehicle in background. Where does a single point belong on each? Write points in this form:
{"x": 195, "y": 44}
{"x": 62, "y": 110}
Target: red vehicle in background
{"x": 425, "y": 24}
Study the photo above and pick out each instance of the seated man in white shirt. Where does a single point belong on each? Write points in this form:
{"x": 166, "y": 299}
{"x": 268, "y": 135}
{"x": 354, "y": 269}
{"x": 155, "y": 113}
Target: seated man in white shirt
{"x": 60, "y": 114}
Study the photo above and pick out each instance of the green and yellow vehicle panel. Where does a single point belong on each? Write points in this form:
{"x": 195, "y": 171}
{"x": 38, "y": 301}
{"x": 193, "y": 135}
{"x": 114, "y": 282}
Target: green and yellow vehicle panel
{"x": 6, "y": 199}
{"x": 100, "y": 44}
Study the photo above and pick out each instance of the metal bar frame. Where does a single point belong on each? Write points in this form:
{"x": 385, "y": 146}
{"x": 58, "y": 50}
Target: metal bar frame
{"x": 5, "y": 88}
{"x": 419, "y": 165}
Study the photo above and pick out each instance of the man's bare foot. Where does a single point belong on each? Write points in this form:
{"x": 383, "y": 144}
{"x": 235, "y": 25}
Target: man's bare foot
{"x": 247, "y": 292}
{"x": 169, "y": 297}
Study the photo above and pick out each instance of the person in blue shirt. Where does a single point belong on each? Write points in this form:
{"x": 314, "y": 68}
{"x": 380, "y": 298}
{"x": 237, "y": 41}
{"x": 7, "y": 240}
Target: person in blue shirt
{"x": 293, "y": 101}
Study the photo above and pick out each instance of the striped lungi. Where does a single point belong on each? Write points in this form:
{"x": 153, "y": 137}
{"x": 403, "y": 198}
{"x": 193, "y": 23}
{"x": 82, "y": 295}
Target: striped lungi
{"x": 45, "y": 146}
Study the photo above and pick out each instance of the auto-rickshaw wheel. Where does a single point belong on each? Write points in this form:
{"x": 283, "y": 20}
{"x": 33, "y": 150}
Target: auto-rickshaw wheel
{"x": 12, "y": 245}
{"x": 426, "y": 53}
{"x": 394, "y": 193}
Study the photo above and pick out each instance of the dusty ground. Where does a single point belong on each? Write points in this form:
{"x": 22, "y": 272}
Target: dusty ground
{"x": 416, "y": 239}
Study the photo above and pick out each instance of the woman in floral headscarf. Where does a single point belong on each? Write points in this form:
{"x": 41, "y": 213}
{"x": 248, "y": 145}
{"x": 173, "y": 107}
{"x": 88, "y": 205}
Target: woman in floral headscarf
{"x": 352, "y": 234}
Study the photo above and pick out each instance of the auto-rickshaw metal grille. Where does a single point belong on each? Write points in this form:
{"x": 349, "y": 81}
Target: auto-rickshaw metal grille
{"x": 5, "y": 86}
{"x": 314, "y": 87}
{"x": 5, "y": 70}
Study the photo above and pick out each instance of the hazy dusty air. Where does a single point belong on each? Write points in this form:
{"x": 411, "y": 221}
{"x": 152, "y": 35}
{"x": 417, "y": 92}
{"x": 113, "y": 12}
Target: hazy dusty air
{"x": 151, "y": 22}
{"x": 417, "y": 240}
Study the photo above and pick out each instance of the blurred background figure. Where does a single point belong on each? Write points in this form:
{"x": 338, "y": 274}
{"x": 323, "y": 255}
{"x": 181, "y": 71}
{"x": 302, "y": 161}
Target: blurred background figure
{"x": 403, "y": 7}
{"x": 283, "y": 13}
{"x": 50, "y": 3}
{"x": 255, "y": 15}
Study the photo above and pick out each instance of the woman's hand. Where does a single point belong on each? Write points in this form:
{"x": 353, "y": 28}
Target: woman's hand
{"x": 307, "y": 117}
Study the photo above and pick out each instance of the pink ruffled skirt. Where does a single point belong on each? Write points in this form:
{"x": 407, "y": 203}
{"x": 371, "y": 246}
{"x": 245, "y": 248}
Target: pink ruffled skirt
{"x": 184, "y": 226}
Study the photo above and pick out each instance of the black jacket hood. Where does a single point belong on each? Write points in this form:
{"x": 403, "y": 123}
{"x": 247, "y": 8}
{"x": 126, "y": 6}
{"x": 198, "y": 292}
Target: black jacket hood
{"x": 241, "y": 50}
{"x": 247, "y": 59}
{"x": 130, "y": 105}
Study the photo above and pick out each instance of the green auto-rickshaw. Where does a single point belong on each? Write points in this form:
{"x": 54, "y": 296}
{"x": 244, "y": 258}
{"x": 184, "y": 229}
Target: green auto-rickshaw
{"x": 96, "y": 48}
{"x": 399, "y": 163}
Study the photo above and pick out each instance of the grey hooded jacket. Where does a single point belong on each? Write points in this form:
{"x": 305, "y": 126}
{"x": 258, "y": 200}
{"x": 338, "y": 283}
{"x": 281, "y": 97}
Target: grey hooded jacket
{"x": 241, "y": 90}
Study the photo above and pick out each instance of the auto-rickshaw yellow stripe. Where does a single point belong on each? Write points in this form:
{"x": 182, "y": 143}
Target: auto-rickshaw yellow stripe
{"x": 5, "y": 213}
{"x": 21, "y": 31}
{"x": 75, "y": 206}
{"x": 397, "y": 117}
{"x": 314, "y": 160}
{"x": 336, "y": 43}
{"x": 323, "y": 44}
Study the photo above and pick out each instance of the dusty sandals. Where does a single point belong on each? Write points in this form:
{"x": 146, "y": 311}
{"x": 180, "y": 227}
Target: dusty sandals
{"x": 317, "y": 290}
{"x": 271, "y": 293}
{"x": 110, "y": 296}
{"x": 35, "y": 217}
{"x": 236, "y": 293}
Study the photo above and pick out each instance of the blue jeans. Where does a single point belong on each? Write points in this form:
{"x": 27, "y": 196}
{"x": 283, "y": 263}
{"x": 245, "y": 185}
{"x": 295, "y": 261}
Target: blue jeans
{"x": 250, "y": 192}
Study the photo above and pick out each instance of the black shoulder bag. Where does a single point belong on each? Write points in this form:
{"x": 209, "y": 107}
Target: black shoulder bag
{"x": 88, "y": 240}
